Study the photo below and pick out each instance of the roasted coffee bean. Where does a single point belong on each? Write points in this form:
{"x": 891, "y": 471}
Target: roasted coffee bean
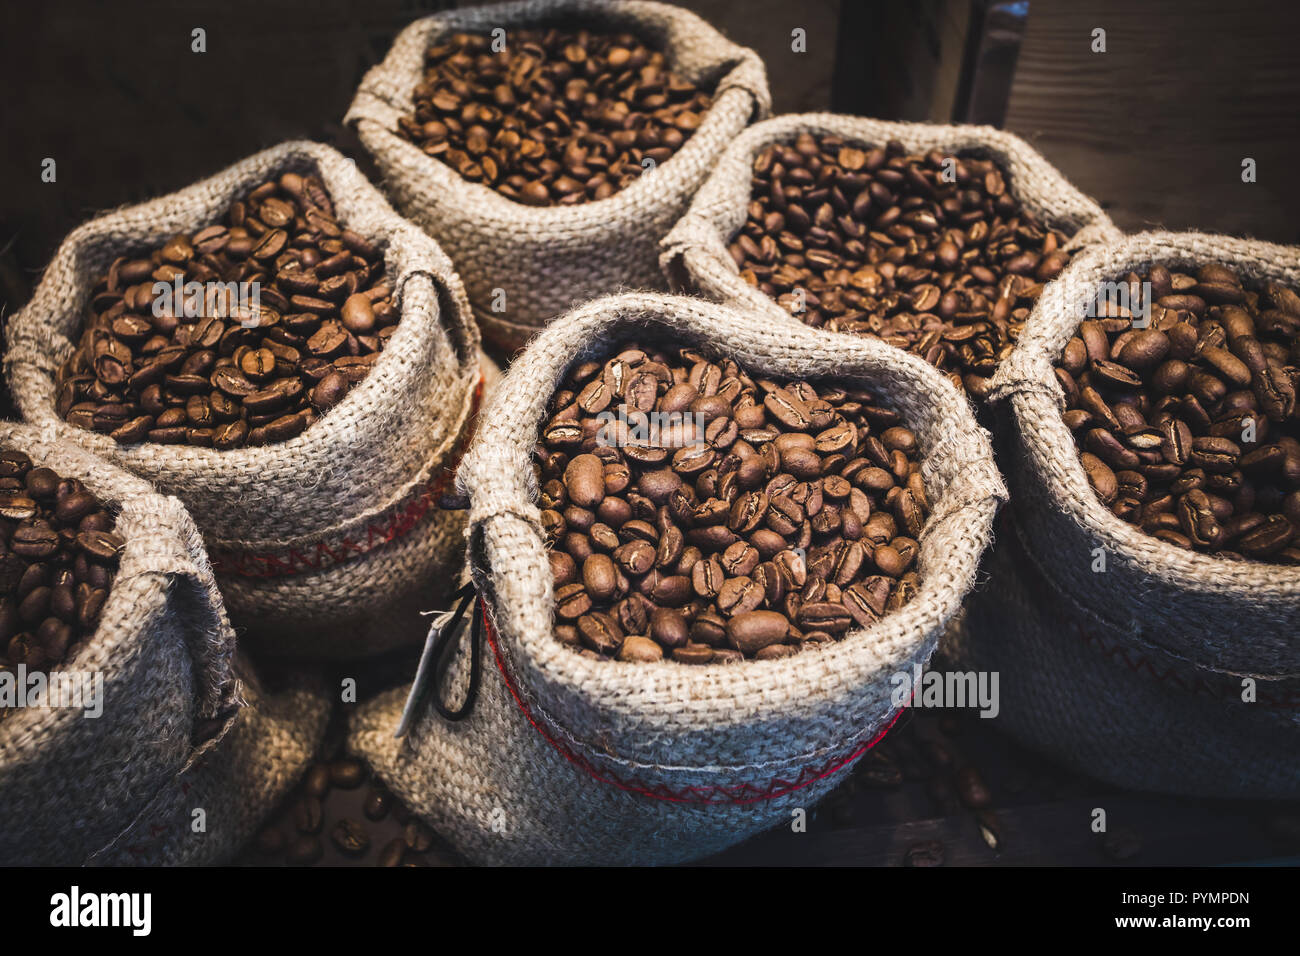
{"x": 308, "y": 816}
{"x": 218, "y": 371}
{"x": 693, "y": 654}
{"x": 754, "y": 630}
{"x": 948, "y": 267}
{"x": 100, "y": 545}
{"x": 1186, "y": 428}
{"x": 600, "y": 632}
{"x": 584, "y": 480}
{"x": 707, "y": 577}
{"x": 347, "y": 774}
{"x": 1101, "y": 477}
{"x": 34, "y": 542}
{"x": 418, "y": 836}
{"x": 58, "y": 560}
{"x": 554, "y": 116}
{"x": 600, "y": 577}
{"x": 738, "y": 596}
{"x": 654, "y": 547}
{"x": 1198, "y": 521}
{"x": 669, "y": 628}
{"x": 637, "y": 649}
{"x": 572, "y": 601}
{"x": 1267, "y": 538}
{"x": 351, "y": 837}
{"x": 317, "y": 781}
{"x": 635, "y": 557}
{"x": 335, "y": 832}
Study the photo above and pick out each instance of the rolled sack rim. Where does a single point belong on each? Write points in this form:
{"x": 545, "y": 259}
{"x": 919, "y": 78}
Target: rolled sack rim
{"x": 740, "y": 77}
{"x": 658, "y": 695}
{"x": 425, "y": 283}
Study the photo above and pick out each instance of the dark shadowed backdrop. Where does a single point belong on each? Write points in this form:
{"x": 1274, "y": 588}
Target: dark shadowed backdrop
{"x": 1155, "y": 128}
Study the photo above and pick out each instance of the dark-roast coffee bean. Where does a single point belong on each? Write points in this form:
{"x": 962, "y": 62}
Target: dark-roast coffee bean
{"x": 339, "y": 815}
{"x": 929, "y": 252}
{"x": 551, "y": 116}
{"x": 58, "y": 557}
{"x": 1187, "y": 427}
{"x": 281, "y": 310}
{"x": 702, "y": 514}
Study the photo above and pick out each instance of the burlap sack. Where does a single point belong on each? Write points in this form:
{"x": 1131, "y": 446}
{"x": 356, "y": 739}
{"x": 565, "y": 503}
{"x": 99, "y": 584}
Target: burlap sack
{"x": 694, "y": 255}
{"x": 311, "y": 537}
{"x": 211, "y": 811}
{"x": 1134, "y": 674}
{"x": 569, "y": 760}
{"x": 547, "y": 259}
{"x": 163, "y": 649}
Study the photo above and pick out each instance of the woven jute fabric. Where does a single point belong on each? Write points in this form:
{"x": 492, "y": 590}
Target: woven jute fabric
{"x": 309, "y": 524}
{"x": 163, "y": 649}
{"x": 570, "y": 760}
{"x": 1136, "y": 674}
{"x": 694, "y": 254}
{"x": 544, "y": 260}
{"x": 210, "y": 812}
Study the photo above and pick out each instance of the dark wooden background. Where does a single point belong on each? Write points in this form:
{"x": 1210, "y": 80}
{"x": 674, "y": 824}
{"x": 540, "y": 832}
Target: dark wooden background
{"x": 1155, "y": 128}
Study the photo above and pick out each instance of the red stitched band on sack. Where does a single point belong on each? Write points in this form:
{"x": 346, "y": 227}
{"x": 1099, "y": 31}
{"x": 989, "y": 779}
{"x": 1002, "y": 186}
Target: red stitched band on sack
{"x": 733, "y": 794}
{"x": 1226, "y": 688}
{"x": 387, "y": 528}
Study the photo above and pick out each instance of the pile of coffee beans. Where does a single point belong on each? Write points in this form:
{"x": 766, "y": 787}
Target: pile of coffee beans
{"x": 212, "y": 371}
{"x": 928, "y": 252}
{"x": 1188, "y": 428}
{"x": 699, "y": 513}
{"x": 58, "y": 556}
{"x": 339, "y": 816}
{"x": 556, "y": 117}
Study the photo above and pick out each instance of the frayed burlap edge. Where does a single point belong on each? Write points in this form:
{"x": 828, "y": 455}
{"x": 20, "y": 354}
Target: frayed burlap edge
{"x": 236, "y": 785}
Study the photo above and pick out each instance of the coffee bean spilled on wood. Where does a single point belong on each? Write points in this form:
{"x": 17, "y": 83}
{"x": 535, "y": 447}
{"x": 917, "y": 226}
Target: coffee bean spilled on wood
{"x": 1188, "y": 428}
{"x": 556, "y": 117}
{"x": 338, "y": 815}
{"x": 58, "y": 557}
{"x": 212, "y": 371}
{"x": 929, "y": 252}
{"x": 704, "y": 515}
